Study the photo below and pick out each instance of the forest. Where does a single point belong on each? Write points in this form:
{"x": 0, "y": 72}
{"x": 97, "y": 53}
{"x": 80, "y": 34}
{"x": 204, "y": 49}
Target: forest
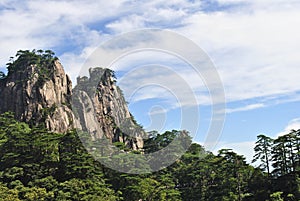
{"x": 39, "y": 165}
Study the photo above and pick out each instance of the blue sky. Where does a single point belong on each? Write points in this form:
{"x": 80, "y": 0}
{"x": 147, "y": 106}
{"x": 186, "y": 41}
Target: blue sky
{"x": 254, "y": 45}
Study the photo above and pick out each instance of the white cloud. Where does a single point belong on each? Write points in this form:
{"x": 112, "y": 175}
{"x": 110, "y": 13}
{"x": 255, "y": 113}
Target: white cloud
{"x": 262, "y": 4}
{"x": 58, "y": 25}
{"x": 127, "y": 23}
{"x": 245, "y": 108}
{"x": 158, "y": 82}
{"x": 294, "y": 124}
{"x": 80, "y": 24}
{"x": 255, "y": 53}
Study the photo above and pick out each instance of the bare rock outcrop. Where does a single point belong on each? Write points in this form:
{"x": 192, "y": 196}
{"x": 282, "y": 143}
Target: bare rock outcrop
{"x": 35, "y": 98}
{"x": 102, "y": 109}
{"x": 38, "y": 91}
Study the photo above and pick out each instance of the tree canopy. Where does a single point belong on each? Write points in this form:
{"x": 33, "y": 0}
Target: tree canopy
{"x": 40, "y": 165}
{"x": 42, "y": 60}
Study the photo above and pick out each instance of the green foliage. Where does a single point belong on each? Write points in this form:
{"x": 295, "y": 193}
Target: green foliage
{"x": 263, "y": 151}
{"x": 85, "y": 190}
{"x": 42, "y": 60}
{"x": 121, "y": 146}
{"x": 39, "y": 165}
{"x": 283, "y": 154}
{"x": 5, "y": 120}
{"x": 7, "y": 194}
{"x": 49, "y": 110}
{"x": 276, "y": 196}
{"x": 25, "y": 58}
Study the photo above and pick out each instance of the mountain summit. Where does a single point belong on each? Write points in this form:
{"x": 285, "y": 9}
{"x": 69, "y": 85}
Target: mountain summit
{"x": 102, "y": 111}
{"x": 39, "y": 92}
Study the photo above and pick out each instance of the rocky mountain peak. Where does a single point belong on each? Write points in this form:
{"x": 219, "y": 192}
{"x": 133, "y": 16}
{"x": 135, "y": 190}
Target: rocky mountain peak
{"x": 38, "y": 91}
{"x": 103, "y": 110}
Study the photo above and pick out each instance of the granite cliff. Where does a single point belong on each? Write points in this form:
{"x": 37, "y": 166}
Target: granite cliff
{"x": 38, "y": 91}
{"x": 102, "y": 110}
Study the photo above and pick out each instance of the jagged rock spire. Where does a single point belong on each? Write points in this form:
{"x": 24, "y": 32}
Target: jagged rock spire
{"x": 38, "y": 91}
{"x": 35, "y": 99}
{"x": 102, "y": 109}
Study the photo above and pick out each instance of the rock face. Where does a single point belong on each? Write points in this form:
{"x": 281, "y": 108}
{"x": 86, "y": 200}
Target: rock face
{"x": 35, "y": 100}
{"x": 102, "y": 109}
{"x": 39, "y": 94}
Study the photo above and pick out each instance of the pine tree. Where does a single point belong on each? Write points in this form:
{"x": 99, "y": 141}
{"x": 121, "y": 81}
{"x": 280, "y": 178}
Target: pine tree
{"x": 263, "y": 149}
